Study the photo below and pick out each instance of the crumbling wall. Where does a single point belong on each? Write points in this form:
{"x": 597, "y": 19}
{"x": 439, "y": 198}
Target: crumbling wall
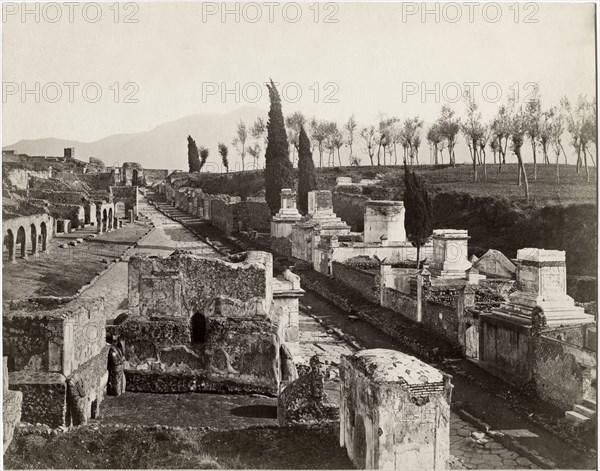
{"x": 222, "y": 216}
{"x": 155, "y": 175}
{"x": 252, "y": 215}
{"x": 203, "y": 279}
{"x": 442, "y": 318}
{"x": 44, "y": 397}
{"x": 405, "y": 304}
{"x": 18, "y": 178}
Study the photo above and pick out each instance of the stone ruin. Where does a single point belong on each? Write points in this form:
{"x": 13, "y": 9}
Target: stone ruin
{"x": 288, "y": 215}
{"x": 394, "y": 411}
{"x": 450, "y": 253}
{"x": 305, "y": 400}
{"x": 11, "y": 407}
{"x": 57, "y": 358}
{"x": 204, "y": 324}
{"x": 384, "y": 220}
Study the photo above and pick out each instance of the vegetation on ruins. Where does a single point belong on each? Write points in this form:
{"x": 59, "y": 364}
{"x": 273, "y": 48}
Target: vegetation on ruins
{"x": 193, "y": 156}
{"x": 224, "y": 152}
{"x": 418, "y": 220}
{"x": 278, "y": 168}
{"x": 307, "y": 175}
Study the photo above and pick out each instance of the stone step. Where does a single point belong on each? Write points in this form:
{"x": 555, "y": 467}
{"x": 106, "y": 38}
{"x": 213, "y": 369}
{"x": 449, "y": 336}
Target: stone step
{"x": 576, "y": 417}
{"x": 590, "y": 413}
{"x": 589, "y": 403}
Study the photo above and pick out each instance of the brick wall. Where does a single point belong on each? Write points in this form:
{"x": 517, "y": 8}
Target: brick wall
{"x": 366, "y": 283}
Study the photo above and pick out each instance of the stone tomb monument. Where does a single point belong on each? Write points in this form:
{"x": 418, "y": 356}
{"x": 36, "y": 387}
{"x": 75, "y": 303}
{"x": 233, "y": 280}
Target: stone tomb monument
{"x": 288, "y": 215}
{"x": 384, "y": 219}
{"x": 394, "y": 411}
{"x": 450, "y": 253}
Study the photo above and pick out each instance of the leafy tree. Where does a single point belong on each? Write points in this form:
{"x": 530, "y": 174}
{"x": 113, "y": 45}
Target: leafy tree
{"x": 278, "y": 168}
{"x": 369, "y": 136}
{"x": 224, "y": 152}
{"x": 533, "y": 116}
{"x": 319, "y": 132}
{"x": 449, "y": 125}
{"x": 203, "y": 156}
{"x": 473, "y": 131}
{"x": 435, "y": 138}
{"x": 501, "y": 130}
{"x": 350, "y": 129}
{"x": 307, "y": 175}
{"x": 517, "y": 130}
{"x": 418, "y": 220}
{"x": 293, "y": 123}
{"x": 239, "y": 142}
{"x": 410, "y": 131}
{"x": 581, "y": 124}
{"x": 193, "y": 158}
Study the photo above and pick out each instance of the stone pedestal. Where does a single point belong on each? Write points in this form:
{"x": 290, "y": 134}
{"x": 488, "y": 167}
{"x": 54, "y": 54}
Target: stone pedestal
{"x": 450, "y": 253}
{"x": 542, "y": 282}
{"x": 394, "y": 411}
{"x": 320, "y": 211}
{"x": 286, "y": 293}
{"x": 288, "y": 215}
{"x": 384, "y": 219}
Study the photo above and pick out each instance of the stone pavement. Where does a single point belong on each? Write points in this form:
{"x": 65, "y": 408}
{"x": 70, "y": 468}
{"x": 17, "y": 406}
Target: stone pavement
{"x": 467, "y": 443}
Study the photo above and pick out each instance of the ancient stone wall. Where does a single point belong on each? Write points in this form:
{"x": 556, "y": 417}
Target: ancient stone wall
{"x": 563, "y": 372}
{"x": 441, "y": 318}
{"x": 222, "y": 216}
{"x": 405, "y": 304}
{"x": 18, "y": 178}
{"x": 365, "y": 282}
{"x": 252, "y": 215}
{"x": 155, "y": 175}
{"x": 127, "y": 195}
{"x": 44, "y": 397}
{"x": 202, "y": 279}
{"x": 95, "y": 181}
{"x": 60, "y": 197}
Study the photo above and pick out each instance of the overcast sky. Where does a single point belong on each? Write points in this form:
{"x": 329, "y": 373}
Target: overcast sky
{"x": 365, "y": 59}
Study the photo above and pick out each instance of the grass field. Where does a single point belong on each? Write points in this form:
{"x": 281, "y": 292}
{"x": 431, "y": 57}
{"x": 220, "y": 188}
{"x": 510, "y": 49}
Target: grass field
{"x": 573, "y": 187}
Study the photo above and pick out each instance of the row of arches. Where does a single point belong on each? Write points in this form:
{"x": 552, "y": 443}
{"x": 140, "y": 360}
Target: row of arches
{"x": 25, "y": 242}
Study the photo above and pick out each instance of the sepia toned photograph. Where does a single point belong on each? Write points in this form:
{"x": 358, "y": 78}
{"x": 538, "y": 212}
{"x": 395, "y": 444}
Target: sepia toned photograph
{"x": 299, "y": 235}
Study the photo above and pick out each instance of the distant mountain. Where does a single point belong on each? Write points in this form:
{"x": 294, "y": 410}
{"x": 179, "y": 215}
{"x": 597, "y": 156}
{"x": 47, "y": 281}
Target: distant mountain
{"x": 165, "y": 146}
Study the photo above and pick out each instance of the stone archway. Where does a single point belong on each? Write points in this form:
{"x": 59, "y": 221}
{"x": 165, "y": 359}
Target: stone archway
{"x": 33, "y": 237}
{"x": 9, "y": 241}
{"x": 22, "y": 240}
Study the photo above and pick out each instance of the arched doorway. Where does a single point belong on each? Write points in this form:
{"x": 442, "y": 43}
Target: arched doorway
{"x": 33, "y": 236}
{"x": 198, "y": 328}
{"x": 22, "y": 240}
{"x": 104, "y": 220}
{"x": 110, "y": 218}
{"x": 44, "y": 236}
{"x": 9, "y": 242}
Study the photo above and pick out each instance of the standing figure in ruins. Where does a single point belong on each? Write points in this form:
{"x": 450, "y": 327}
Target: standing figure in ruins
{"x": 116, "y": 374}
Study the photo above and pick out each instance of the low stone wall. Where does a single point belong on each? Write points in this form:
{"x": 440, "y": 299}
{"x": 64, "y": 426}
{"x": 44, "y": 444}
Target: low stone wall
{"x": 221, "y": 215}
{"x": 563, "y": 372}
{"x": 252, "y": 215}
{"x": 44, "y": 397}
{"x": 442, "y": 319}
{"x": 404, "y": 304}
{"x": 366, "y": 283}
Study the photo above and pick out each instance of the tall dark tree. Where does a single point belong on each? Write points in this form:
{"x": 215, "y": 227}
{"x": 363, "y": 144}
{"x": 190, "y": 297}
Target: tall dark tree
{"x": 193, "y": 158}
{"x": 278, "y": 168}
{"x": 224, "y": 151}
{"x": 307, "y": 175}
{"x": 203, "y": 156}
{"x": 419, "y": 211}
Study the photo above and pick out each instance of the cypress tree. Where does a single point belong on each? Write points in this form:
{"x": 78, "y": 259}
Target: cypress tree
{"x": 419, "y": 210}
{"x": 307, "y": 175}
{"x": 193, "y": 157}
{"x": 278, "y": 168}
